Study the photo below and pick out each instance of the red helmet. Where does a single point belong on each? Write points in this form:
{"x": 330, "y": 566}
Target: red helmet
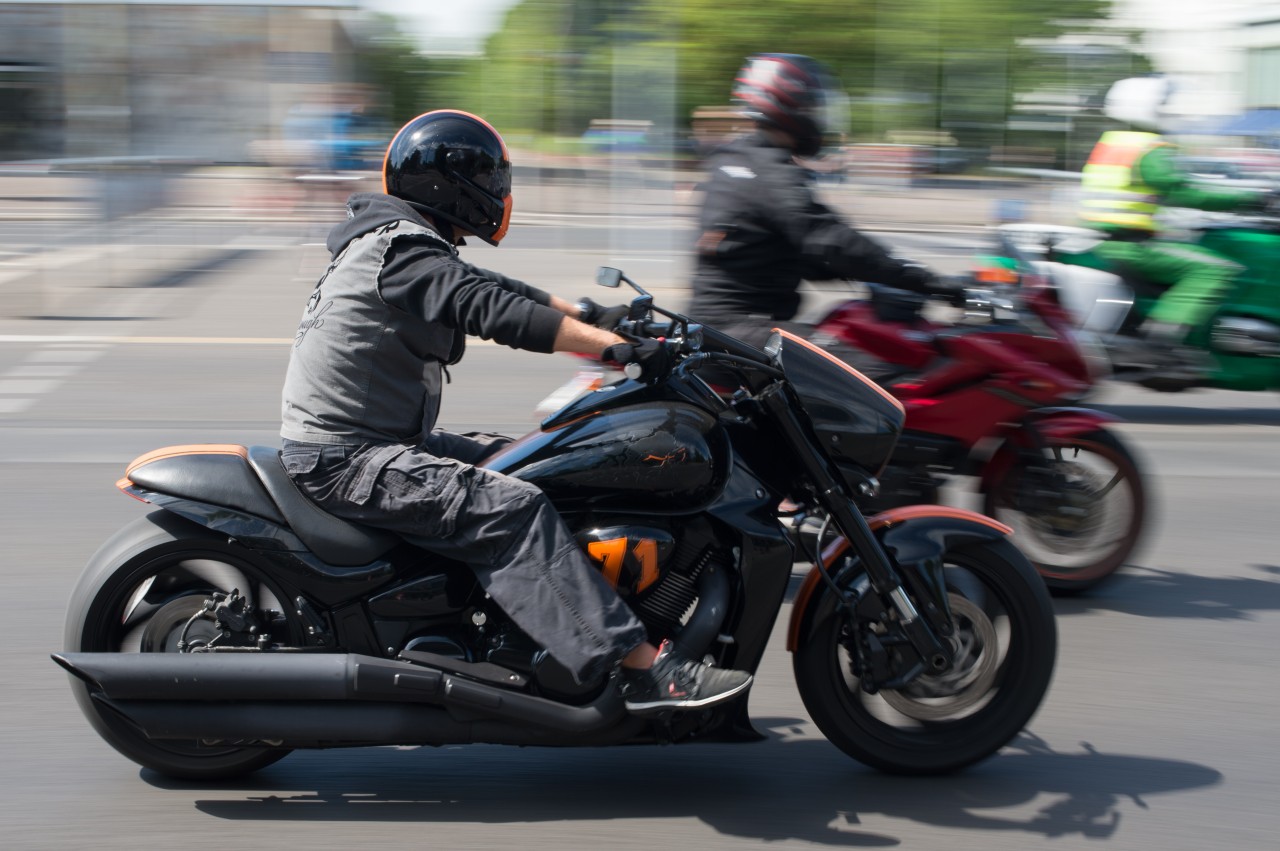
{"x": 453, "y": 166}
{"x": 794, "y": 93}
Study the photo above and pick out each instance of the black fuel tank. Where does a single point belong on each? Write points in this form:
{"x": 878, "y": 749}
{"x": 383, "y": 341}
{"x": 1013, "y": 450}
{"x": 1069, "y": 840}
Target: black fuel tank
{"x": 664, "y": 457}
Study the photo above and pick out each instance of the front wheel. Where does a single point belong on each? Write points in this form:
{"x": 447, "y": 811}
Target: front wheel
{"x": 144, "y": 592}
{"x": 1078, "y": 513}
{"x": 1003, "y": 648}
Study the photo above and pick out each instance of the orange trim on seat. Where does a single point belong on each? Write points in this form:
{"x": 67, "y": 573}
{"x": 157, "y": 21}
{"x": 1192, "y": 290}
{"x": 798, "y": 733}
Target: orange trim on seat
{"x": 124, "y": 486}
{"x": 867, "y": 381}
{"x": 186, "y": 449}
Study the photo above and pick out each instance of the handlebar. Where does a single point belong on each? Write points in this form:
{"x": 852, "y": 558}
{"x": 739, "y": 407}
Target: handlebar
{"x": 700, "y": 338}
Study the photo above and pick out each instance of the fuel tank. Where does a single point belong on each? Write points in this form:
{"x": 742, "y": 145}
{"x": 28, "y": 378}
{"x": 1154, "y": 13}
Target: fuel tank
{"x": 664, "y": 457}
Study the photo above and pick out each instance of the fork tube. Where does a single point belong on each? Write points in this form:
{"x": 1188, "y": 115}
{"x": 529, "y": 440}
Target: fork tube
{"x": 880, "y": 570}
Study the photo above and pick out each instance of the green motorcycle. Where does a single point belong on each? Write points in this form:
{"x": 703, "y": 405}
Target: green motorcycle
{"x": 1243, "y": 336}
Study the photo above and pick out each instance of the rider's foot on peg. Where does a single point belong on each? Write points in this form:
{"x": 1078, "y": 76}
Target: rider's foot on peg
{"x": 677, "y": 683}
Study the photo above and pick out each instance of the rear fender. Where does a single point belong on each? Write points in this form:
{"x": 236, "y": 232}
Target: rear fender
{"x": 915, "y": 538}
{"x": 159, "y": 528}
{"x": 1042, "y": 427}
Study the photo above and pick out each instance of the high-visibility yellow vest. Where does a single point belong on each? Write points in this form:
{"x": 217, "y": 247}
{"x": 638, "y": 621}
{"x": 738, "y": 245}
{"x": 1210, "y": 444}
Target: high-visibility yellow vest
{"x": 1112, "y": 192}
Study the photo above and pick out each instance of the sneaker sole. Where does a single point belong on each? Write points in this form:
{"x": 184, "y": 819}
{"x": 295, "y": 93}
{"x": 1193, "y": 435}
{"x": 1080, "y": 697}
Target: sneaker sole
{"x": 655, "y": 706}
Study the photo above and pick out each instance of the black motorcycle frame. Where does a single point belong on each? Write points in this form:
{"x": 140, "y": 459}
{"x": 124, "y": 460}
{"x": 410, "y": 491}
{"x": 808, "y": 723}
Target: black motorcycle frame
{"x": 349, "y": 656}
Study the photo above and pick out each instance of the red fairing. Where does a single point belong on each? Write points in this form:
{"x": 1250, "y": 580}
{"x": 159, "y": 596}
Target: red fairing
{"x": 970, "y": 382}
{"x": 856, "y": 324}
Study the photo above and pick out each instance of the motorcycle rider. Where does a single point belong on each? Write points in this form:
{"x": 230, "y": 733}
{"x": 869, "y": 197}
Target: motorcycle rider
{"x": 762, "y": 230}
{"x": 1130, "y": 175}
{"x": 363, "y": 387}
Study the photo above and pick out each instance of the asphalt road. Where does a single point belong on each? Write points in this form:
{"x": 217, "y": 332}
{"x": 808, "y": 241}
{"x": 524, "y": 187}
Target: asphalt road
{"x": 1158, "y": 732}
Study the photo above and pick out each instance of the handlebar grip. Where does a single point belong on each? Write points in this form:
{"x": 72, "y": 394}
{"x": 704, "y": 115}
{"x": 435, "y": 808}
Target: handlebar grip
{"x": 712, "y": 339}
{"x": 648, "y": 328}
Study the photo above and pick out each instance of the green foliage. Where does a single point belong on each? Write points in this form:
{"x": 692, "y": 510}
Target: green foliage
{"x": 406, "y": 83}
{"x": 951, "y": 65}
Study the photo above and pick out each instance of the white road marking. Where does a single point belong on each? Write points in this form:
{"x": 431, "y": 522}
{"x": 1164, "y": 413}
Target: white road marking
{"x": 44, "y": 369}
{"x": 13, "y": 386}
{"x": 52, "y": 355}
{"x": 51, "y": 371}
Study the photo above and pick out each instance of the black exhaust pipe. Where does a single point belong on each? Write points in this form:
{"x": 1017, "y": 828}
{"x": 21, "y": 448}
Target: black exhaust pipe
{"x": 190, "y": 679}
{"x": 323, "y": 700}
{"x": 337, "y": 724}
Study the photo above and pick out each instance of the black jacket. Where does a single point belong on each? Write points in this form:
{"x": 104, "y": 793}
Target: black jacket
{"x": 428, "y": 279}
{"x": 763, "y": 232}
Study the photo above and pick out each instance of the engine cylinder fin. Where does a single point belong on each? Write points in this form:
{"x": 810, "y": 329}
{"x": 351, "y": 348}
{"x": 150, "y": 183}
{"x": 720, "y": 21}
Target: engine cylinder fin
{"x": 665, "y": 608}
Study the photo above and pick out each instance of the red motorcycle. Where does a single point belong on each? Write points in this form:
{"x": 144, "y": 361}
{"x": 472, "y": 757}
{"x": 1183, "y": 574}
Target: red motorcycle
{"x": 995, "y": 397}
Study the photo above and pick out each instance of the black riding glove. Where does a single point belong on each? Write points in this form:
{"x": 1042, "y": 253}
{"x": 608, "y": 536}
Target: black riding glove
{"x": 914, "y": 277}
{"x": 641, "y": 359}
{"x": 950, "y": 290}
{"x": 601, "y": 316}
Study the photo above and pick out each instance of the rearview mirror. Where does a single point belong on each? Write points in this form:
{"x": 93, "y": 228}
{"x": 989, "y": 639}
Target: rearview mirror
{"x": 607, "y": 276}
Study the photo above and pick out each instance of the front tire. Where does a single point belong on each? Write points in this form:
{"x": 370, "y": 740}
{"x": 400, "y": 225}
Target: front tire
{"x": 1079, "y": 516}
{"x": 138, "y": 595}
{"x": 1004, "y": 647}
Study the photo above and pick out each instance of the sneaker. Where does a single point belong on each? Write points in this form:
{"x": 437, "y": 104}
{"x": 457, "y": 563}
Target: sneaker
{"x": 677, "y": 683}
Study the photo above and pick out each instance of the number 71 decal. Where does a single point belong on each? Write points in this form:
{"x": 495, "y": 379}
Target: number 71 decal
{"x": 612, "y": 554}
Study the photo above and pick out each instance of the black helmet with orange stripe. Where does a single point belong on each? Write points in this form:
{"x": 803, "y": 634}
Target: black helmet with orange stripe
{"x": 453, "y": 166}
{"x": 795, "y": 94}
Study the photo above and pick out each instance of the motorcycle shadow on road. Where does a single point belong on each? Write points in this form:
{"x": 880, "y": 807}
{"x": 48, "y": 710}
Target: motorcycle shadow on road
{"x": 792, "y": 786}
{"x": 1190, "y": 415}
{"x": 1154, "y": 593}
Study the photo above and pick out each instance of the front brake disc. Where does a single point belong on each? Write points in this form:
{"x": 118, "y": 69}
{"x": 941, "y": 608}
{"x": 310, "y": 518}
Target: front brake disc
{"x": 975, "y": 650}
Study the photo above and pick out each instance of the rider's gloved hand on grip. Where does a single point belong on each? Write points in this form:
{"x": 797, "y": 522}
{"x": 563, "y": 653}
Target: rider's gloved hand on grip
{"x": 916, "y": 278}
{"x": 950, "y": 290}
{"x": 601, "y": 316}
{"x": 641, "y": 359}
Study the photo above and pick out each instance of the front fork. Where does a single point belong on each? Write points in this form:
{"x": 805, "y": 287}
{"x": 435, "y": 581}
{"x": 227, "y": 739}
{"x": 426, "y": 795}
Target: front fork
{"x": 884, "y": 577}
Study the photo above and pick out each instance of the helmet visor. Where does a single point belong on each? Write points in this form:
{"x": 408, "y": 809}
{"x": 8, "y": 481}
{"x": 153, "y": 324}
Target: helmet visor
{"x": 830, "y": 111}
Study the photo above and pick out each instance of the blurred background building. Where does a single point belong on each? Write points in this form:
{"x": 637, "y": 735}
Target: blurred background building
{"x": 188, "y": 81}
{"x": 308, "y": 88}
{"x": 1225, "y": 55}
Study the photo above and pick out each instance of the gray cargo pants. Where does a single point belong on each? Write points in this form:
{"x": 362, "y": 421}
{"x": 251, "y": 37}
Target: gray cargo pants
{"x": 504, "y": 529}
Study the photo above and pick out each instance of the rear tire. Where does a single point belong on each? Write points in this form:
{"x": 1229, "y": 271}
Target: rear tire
{"x": 137, "y": 595}
{"x": 1005, "y": 645}
{"x": 1054, "y": 539}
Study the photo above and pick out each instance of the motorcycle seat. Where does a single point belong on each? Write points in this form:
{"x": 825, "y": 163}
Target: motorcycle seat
{"x": 253, "y": 480}
{"x": 215, "y": 474}
{"x": 334, "y": 540}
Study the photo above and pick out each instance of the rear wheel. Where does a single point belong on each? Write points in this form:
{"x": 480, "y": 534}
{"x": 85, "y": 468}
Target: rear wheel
{"x": 1003, "y": 649}
{"x": 1079, "y": 514}
{"x": 150, "y": 601}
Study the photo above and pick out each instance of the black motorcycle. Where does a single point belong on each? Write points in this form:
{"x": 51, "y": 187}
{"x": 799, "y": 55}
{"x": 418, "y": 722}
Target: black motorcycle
{"x": 238, "y": 621}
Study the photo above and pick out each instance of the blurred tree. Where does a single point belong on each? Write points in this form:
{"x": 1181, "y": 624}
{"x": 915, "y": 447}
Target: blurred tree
{"x": 950, "y": 65}
{"x": 404, "y": 81}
